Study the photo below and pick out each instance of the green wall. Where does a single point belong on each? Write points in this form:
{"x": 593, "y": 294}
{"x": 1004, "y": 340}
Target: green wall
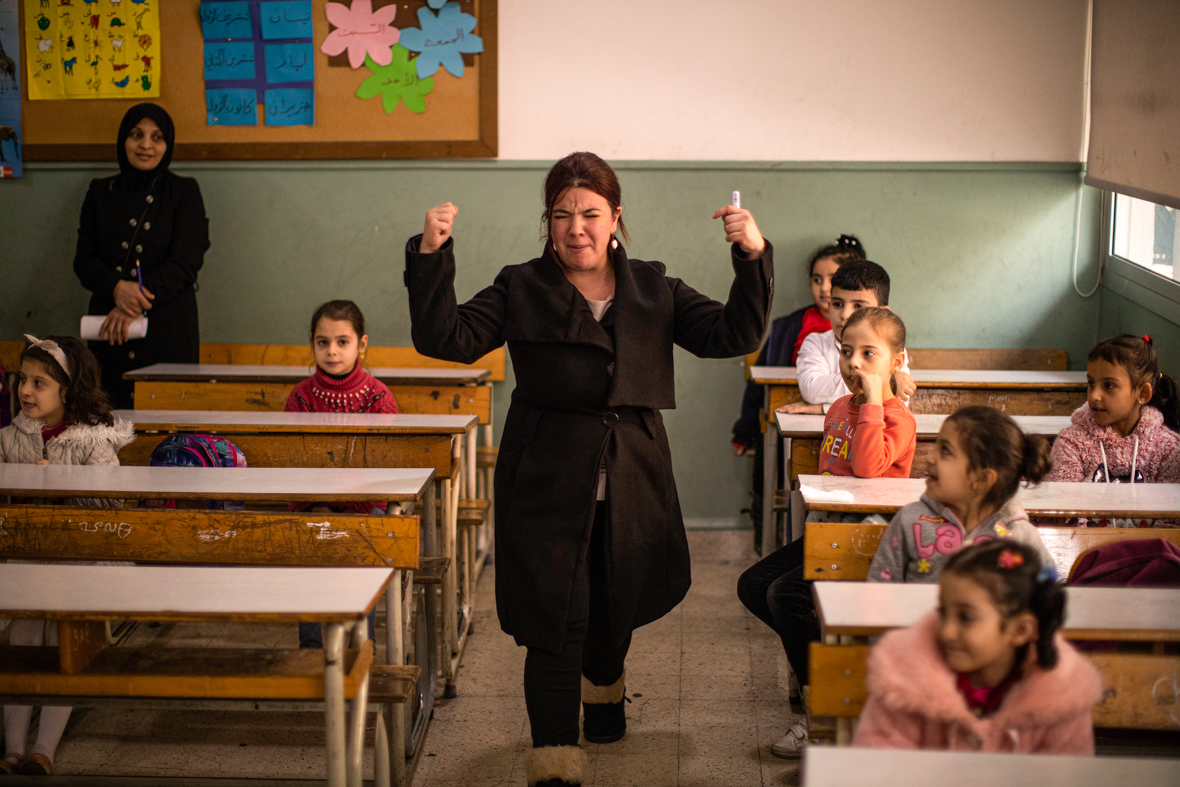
{"x": 1120, "y": 314}
{"x": 979, "y": 254}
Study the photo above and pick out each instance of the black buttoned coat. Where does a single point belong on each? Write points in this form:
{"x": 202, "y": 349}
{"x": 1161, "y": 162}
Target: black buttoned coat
{"x": 585, "y": 392}
{"x": 164, "y": 228}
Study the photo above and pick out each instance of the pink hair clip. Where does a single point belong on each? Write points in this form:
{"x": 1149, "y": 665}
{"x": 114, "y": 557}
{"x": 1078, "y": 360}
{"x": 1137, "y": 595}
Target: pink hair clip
{"x": 1009, "y": 559}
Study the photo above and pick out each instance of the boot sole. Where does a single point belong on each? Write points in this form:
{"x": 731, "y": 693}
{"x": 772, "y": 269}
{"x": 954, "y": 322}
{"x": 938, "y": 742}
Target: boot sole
{"x": 614, "y": 736}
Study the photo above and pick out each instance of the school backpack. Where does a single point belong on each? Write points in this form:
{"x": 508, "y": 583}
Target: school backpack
{"x": 199, "y": 450}
{"x": 1138, "y": 562}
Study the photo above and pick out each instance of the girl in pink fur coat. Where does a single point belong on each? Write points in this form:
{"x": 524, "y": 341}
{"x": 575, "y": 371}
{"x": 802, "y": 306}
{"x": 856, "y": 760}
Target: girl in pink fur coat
{"x": 987, "y": 671}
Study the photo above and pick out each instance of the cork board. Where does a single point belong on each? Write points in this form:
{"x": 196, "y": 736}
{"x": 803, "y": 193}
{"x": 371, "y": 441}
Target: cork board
{"x": 459, "y": 121}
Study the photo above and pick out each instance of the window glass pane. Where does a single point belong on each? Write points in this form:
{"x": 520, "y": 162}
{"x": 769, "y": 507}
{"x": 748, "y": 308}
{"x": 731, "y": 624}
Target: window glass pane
{"x": 1146, "y": 234}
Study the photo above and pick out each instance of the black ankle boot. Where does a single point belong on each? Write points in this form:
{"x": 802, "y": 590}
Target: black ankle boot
{"x": 603, "y": 708}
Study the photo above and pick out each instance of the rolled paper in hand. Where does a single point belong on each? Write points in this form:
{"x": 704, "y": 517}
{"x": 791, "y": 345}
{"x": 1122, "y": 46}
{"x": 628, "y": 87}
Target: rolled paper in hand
{"x": 92, "y": 323}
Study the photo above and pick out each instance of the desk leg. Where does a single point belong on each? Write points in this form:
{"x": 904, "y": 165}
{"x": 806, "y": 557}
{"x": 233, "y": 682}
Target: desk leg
{"x": 394, "y": 654}
{"x": 360, "y": 707}
{"x": 769, "y": 487}
{"x": 334, "y": 703}
{"x": 469, "y": 466}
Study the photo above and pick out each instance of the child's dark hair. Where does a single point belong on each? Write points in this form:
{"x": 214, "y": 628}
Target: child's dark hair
{"x": 863, "y": 275}
{"x": 85, "y": 400}
{"x": 1137, "y": 355}
{"x": 845, "y": 249}
{"x": 993, "y": 441}
{"x": 1016, "y": 580}
{"x": 340, "y": 310}
{"x": 887, "y": 325}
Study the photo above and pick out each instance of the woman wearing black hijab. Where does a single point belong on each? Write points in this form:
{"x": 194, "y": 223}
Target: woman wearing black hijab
{"x": 142, "y": 239}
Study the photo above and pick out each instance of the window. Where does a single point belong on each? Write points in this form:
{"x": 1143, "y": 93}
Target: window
{"x": 1147, "y": 235}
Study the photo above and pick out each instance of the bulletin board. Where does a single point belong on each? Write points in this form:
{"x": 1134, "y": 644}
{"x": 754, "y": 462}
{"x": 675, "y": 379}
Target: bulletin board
{"x": 460, "y": 120}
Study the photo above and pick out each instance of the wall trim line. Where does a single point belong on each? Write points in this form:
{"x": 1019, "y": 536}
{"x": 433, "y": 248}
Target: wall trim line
{"x": 622, "y": 166}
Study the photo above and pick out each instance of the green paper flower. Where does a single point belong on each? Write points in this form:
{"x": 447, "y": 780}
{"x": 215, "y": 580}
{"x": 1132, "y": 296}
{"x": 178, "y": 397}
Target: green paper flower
{"x": 397, "y": 80}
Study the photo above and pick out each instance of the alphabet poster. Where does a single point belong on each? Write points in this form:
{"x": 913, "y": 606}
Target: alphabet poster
{"x": 93, "y": 48}
{"x": 10, "y": 130}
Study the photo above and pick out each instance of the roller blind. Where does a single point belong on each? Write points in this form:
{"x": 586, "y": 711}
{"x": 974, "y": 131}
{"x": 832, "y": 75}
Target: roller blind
{"x": 1135, "y": 99}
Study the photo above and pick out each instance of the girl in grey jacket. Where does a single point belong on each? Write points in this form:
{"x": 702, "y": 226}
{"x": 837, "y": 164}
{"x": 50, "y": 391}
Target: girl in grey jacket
{"x": 980, "y": 457}
{"x": 65, "y": 418}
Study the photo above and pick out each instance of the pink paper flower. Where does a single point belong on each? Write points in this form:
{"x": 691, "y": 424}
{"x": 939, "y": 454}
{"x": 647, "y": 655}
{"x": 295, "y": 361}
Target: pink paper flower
{"x": 361, "y": 31}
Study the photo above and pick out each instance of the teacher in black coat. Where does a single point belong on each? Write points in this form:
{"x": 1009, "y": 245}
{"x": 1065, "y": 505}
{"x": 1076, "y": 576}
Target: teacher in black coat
{"x": 590, "y": 542}
{"x": 143, "y": 225}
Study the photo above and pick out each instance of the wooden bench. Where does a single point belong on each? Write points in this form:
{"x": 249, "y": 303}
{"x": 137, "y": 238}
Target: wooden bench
{"x": 845, "y": 550}
{"x": 851, "y": 610}
{"x": 52, "y": 532}
{"x": 854, "y": 767}
{"x": 301, "y": 355}
{"x": 444, "y": 443}
{"x": 1057, "y": 499}
{"x": 82, "y": 667}
{"x": 424, "y": 391}
{"x": 805, "y": 434}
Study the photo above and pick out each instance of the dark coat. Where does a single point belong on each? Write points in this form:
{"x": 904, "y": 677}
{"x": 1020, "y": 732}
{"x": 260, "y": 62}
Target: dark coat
{"x": 169, "y": 239}
{"x": 585, "y": 390}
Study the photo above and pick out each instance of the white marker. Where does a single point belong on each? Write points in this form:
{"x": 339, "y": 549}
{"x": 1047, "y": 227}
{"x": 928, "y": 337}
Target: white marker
{"x": 737, "y": 199}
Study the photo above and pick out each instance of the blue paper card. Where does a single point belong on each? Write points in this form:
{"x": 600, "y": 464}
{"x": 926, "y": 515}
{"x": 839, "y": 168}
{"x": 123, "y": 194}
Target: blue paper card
{"x": 229, "y": 60}
{"x": 287, "y": 19}
{"x": 290, "y": 107}
{"x": 236, "y": 106}
{"x": 225, "y": 20}
{"x": 290, "y": 63}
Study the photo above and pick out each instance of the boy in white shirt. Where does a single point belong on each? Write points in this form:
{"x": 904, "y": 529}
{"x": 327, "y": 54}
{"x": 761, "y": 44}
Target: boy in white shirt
{"x": 855, "y": 285}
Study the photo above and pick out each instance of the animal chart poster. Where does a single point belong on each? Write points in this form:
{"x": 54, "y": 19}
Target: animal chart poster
{"x": 93, "y": 48}
{"x": 10, "y": 130}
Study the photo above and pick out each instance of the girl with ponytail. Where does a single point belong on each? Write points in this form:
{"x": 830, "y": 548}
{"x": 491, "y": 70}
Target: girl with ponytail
{"x": 986, "y": 671}
{"x": 981, "y": 456}
{"x": 1126, "y": 430}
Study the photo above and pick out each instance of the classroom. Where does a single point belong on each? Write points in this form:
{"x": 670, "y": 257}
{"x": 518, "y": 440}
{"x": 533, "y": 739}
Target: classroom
{"x": 329, "y": 452}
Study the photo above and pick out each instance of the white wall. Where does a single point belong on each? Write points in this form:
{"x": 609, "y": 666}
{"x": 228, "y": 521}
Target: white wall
{"x": 827, "y": 80}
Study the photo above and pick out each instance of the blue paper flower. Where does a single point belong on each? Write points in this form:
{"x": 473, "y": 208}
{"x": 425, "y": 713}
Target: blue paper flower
{"x": 441, "y": 40}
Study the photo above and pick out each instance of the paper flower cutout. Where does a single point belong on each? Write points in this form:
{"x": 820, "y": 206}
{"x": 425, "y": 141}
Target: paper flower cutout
{"x": 397, "y": 80}
{"x": 362, "y": 31}
{"x": 442, "y": 40}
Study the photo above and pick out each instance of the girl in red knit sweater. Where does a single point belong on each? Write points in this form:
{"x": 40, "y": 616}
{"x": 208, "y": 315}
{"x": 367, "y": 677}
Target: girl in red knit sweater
{"x": 340, "y": 384}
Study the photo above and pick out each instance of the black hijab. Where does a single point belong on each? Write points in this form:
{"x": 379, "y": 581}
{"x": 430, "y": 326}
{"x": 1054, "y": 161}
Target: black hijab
{"x": 137, "y": 179}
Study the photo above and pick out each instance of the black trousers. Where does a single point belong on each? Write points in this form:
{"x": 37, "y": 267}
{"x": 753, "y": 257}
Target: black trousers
{"x": 553, "y": 681}
{"x": 776, "y": 591}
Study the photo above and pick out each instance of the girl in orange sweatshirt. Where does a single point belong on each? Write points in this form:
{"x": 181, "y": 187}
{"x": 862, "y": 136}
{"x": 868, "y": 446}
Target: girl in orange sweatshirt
{"x": 869, "y": 434}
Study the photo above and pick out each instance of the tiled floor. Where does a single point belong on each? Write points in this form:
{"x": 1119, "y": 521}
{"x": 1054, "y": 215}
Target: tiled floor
{"x": 707, "y": 683}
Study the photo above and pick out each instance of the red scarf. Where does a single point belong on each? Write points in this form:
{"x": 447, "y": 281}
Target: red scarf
{"x": 813, "y": 322}
{"x": 985, "y": 700}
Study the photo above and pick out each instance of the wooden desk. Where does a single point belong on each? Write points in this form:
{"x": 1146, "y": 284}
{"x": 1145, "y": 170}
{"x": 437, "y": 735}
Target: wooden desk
{"x": 939, "y": 391}
{"x": 826, "y": 766}
{"x": 340, "y": 597}
{"x": 215, "y": 483}
{"x": 443, "y": 443}
{"x": 1142, "y": 691}
{"x": 1048, "y": 499}
{"x": 802, "y": 435}
{"x": 867, "y": 609}
{"x": 182, "y": 386}
{"x": 946, "y": 390}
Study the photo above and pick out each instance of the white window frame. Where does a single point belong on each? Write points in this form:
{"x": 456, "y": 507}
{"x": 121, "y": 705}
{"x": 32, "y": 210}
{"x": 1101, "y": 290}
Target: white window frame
{"x": 1134, "y": 282}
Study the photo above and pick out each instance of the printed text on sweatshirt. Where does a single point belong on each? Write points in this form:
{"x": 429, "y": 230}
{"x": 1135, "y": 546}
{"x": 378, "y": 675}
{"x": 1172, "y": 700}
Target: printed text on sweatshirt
{"x": 868, "y": 441}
